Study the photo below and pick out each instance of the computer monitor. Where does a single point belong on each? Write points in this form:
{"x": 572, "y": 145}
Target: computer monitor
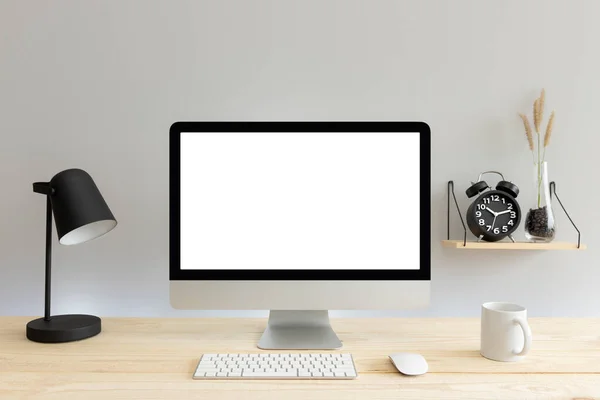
{"x": 299, "y": 218}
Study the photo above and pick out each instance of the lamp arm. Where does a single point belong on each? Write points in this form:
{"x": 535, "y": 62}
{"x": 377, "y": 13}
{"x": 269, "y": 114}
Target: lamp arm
{"x": 45, "y": 189}
{"x": 47, "y": 316}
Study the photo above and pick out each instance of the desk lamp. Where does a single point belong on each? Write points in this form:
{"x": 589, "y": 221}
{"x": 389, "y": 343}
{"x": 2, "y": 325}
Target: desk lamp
{"x": 80, "y": 214}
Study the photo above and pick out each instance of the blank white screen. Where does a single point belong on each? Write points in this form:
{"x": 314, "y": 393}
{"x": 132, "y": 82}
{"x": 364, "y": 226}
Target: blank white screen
{"x": 299, "y": 201}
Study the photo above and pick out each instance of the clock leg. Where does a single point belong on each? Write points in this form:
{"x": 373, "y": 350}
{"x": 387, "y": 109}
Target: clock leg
{"x": 511, "y": 238}
{"x": 479, "y": 238}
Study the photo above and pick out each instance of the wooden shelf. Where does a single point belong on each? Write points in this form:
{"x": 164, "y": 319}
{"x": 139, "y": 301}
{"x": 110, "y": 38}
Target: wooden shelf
{"x": 458, "y": 244}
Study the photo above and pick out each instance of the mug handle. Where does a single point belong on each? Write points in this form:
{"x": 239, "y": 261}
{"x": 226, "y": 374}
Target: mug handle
{"x": 526, "y": 333}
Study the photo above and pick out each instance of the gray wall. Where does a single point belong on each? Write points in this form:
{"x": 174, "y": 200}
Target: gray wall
{"x": 96, "y": 85}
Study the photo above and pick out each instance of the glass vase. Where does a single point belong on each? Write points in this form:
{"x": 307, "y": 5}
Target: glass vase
{"x": 539, "y": 222}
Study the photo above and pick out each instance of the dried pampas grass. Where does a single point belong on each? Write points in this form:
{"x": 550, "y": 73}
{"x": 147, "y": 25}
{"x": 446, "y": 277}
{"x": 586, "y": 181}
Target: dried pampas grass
{"x": 549, "y": 130}
{"x": 536, "y": 115}
{"x": 528, "y": 132}
{"x": 543, "y": 139}
{"x": 541, "y": 102}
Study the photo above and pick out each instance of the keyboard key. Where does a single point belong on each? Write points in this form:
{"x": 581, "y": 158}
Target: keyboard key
{"x": 209, "y": 372}
{"x": 273, "y": 374}
{"x": 334, "y": 370}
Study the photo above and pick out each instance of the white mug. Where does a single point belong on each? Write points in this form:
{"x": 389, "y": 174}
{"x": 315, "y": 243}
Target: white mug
{"x": 505, "y": 333}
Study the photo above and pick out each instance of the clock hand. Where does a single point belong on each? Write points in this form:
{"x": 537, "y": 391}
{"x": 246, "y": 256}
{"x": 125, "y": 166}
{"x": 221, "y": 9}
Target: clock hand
{"x": 504, "y": 212}
{"x": 493, "y": 213}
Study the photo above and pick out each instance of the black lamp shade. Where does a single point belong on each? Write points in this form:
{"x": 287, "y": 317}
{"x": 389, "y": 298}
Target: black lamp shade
{"x": 80, "y": 212}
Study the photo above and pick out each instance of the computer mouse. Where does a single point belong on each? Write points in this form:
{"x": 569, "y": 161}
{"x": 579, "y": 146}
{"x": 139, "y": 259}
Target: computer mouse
{"x": 409, "y": 363}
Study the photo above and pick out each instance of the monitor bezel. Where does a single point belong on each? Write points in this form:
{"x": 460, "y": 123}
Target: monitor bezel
{"x": 178, "y": 274}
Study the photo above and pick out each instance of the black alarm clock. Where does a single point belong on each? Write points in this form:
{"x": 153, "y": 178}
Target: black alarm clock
{"x": 495, "y": 214}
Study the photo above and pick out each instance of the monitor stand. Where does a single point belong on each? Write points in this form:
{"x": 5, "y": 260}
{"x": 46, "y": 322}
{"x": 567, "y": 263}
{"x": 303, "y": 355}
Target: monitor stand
{"x": 299, "y": 330}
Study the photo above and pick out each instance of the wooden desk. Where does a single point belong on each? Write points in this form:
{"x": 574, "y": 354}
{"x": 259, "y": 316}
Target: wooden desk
{"x": 141, "y": 358}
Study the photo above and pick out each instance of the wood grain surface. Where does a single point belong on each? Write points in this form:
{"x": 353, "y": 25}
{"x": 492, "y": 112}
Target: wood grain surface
{"x": 146, "y": 358}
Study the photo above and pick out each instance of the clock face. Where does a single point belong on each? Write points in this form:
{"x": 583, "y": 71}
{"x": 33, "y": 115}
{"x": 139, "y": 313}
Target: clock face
{"x": 494, "y": 215}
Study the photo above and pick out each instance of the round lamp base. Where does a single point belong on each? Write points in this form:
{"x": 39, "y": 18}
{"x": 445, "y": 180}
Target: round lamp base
{"x": 63, "y": 328}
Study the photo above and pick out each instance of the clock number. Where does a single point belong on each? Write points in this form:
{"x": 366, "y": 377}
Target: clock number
{"x": 486, "y": 200}
{"x": 513, "y": 214}
{"x": 505, "y": 229}
{"x": 503, "y": 201}
{"x": 511, "y": 222}
{"x": 495, "y": 197}
{"x": 481, "y": 222}
{"x": 496, "y": 231}
{"x": 510, "y": 206}
{"x": 478, "y": 213}
{"x": 489, "y": 227}
{"x": 481, "y": 206}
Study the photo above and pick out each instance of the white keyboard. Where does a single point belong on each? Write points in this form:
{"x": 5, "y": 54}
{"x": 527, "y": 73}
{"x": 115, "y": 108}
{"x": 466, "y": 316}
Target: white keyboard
{"x": 276, "y": 366}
